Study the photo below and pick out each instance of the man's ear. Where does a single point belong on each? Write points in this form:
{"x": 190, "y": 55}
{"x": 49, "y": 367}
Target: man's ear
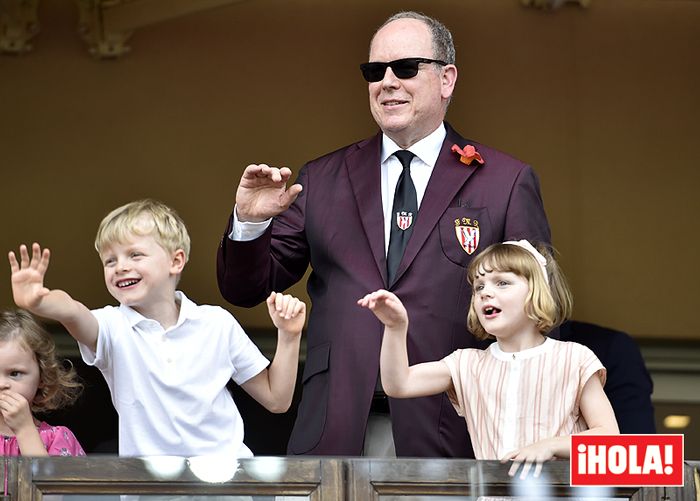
{"x": 449, "y": 79}
{"x": 178, "y": 262}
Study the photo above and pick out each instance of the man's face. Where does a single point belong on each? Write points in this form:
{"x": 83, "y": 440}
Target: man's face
{"x": 408, "y": 110}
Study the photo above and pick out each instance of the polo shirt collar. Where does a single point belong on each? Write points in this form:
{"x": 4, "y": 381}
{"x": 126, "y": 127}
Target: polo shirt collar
{"x": 188, "y": 310}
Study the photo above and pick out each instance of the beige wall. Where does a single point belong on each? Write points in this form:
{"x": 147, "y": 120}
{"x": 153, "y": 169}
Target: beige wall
{"x": 603, "y": 102}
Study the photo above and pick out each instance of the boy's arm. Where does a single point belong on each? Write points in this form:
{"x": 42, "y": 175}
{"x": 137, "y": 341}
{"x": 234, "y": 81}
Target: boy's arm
{"x": 399, "y": 380}
{"x": 274, "y": 386}
{"x": 29, "y": 293}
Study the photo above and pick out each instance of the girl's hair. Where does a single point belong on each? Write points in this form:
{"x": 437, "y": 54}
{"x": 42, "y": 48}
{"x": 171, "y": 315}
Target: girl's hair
{"x": 144, "y": 217}
{"x": 548, "y": 304}
{"x": 58, "y": 385}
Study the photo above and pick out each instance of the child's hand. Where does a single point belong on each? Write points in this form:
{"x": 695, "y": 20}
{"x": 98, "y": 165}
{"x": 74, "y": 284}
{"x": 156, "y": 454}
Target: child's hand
{"x": 15, "y": 410}
{"x": 387, "y": 307}
{"x": 28, "y": 277}
{"x": 287, "y": 312}
{"x": 537, "y": 453}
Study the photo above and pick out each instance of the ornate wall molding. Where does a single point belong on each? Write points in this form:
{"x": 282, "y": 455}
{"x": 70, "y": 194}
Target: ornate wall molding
{"x": 105, "y": 25}
{"x": 554, "y": 4}
{"x": 18, "y": 25}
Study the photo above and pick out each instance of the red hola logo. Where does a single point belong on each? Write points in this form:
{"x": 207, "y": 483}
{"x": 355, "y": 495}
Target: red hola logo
{"x": 627, "y": 460}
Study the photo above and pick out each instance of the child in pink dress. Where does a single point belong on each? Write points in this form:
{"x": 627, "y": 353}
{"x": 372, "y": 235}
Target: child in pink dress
{"x": 525, "y": 395}
{"x": 33, "y": 380}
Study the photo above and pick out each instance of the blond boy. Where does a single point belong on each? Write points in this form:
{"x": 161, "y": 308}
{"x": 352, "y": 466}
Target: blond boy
{"x": 166, "y": 360}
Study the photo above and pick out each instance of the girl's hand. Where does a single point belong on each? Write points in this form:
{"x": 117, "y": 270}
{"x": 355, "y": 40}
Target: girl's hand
{"x": 536, "y": 453}
{"x": 287, "y": 312}
{"x": 28, "y": 277}
{"x": 387, "y": 308}
{"x": 15, "y": 411}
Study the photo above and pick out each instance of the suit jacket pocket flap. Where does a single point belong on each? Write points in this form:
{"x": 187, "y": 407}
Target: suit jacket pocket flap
{"x": 316, "y": 360}
{"x": 464, "y": 232}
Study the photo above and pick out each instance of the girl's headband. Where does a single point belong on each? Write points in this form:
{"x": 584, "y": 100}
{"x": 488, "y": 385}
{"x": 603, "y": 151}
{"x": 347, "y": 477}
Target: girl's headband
{"x": 541, "y": 260}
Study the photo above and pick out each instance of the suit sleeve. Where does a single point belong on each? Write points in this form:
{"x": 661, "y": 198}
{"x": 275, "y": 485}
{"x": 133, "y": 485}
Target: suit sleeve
{"x": 630, "y": 386}
{"x": 525, "y": 217}
{"x": 248, "y": 271}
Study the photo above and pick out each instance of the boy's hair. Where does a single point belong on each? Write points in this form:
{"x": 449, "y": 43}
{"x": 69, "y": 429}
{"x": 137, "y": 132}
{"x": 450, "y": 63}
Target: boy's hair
{"x": 144, "y": 217}
{"x": 547, "y": 304}
{"x": 58, "y": 385}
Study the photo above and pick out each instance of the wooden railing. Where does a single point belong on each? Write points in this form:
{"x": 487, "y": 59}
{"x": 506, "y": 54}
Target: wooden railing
{"x": 102, "y": 477}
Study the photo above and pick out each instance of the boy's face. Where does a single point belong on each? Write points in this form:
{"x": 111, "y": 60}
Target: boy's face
{"x": 140, "y": 273}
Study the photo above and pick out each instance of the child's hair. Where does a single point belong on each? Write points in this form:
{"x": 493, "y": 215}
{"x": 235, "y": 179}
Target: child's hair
{"x": 58, "y": 385}
{"x": 144, "y": 217}
{"x": 548, "y": 304}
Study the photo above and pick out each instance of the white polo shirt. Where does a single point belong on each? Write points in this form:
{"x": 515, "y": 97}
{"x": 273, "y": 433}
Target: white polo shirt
{"x": 169, "y": 385}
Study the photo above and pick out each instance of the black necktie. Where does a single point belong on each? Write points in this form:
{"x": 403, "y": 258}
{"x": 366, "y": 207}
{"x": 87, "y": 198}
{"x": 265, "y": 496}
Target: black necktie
{"x": 403, "y": 215}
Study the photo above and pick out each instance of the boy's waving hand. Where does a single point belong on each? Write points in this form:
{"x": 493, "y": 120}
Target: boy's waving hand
{"x": 30, "y": 293}
{"x": 28, "y": 277}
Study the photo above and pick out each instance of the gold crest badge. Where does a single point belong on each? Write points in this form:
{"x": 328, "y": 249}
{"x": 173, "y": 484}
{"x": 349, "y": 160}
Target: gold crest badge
{"x": 467, "y": 231}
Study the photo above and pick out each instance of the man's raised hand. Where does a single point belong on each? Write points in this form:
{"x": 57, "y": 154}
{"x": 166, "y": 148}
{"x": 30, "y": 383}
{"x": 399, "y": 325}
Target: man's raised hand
{"x": 263, "y": 193}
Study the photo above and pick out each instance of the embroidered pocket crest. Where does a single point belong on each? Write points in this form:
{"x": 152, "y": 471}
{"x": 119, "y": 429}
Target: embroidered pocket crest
{"x": 467, "y": 231}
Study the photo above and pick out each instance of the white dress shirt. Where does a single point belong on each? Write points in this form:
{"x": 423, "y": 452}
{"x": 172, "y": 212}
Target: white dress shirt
{"x": 426, "y": 152}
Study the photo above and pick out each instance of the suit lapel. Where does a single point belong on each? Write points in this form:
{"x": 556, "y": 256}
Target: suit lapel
{"x": 448, "y": 177}
{"x": 365, "y": 179}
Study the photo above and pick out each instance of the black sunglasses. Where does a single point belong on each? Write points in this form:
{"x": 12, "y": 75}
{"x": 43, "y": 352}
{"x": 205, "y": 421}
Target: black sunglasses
{"x": 402, "y": 68}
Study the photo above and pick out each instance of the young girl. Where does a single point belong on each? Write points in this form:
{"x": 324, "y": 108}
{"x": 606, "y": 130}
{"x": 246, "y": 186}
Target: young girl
{"x": 526, "y": 394}
{"x": 33, "y": 380}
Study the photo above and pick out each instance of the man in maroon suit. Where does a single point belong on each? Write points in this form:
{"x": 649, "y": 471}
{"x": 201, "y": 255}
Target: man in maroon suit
{"x": 340, "y": 217}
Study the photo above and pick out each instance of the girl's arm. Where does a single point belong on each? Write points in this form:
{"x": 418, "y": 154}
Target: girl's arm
{"x": 274, "y": 387}
{"x": 596, "y": 410}
{"x": 30, "y": 443}
{"x": 600, "y": 418}
{"x": 17, "y": 415}
{"x": 29, "y": 293}
{"x": 399, "y": 380}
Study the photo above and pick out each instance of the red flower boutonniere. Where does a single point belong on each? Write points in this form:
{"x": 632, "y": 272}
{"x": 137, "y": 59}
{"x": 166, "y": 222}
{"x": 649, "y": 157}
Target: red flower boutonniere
{"x": 467, "y": 154}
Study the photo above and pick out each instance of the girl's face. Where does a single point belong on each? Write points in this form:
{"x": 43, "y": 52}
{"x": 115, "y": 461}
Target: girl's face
{"x": 19, "y": 370}
{"x": 499, "y": 301}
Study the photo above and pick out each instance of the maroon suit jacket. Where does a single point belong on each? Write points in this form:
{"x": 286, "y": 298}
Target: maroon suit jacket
{"x": 336, "y": 225}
